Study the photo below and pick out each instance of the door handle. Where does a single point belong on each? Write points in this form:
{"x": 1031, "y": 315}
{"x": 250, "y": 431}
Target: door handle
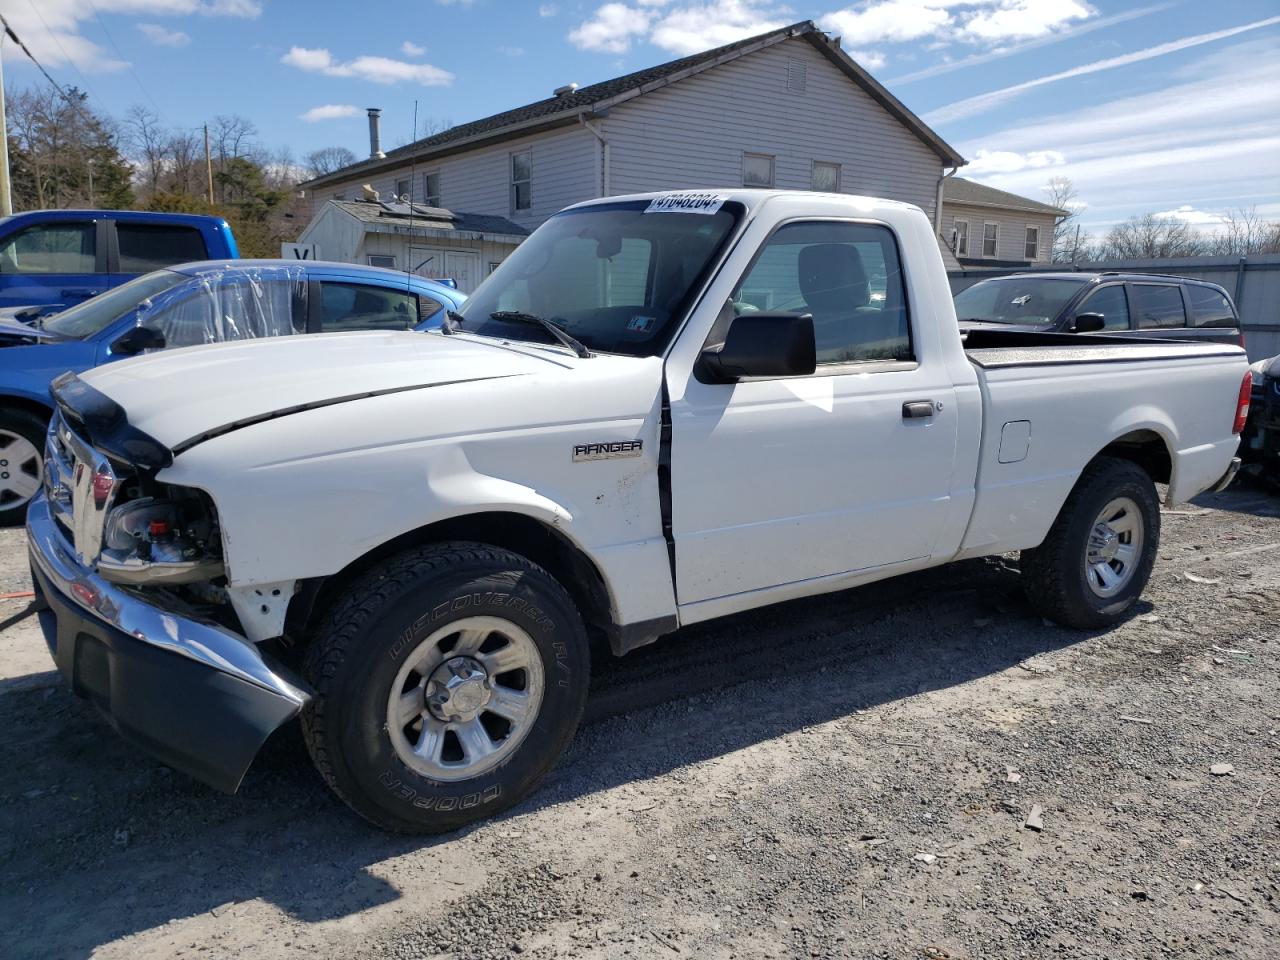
{"x": 917, "y": 410}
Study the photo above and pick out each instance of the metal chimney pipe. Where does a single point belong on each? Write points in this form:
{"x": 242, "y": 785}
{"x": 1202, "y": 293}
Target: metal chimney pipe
{"x": 375, "y": 134}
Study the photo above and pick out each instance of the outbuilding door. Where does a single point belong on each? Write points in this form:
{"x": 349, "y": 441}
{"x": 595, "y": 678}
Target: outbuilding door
{"x": 438, "y": 263}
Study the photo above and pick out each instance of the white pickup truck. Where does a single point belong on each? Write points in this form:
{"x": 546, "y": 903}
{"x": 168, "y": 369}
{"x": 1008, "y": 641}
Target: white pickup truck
{"x": 659, "y": 410}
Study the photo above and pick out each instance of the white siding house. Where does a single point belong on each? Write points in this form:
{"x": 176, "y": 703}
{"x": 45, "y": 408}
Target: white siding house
{"x": 984, "y": 226}
{"x": 788, "y": 109}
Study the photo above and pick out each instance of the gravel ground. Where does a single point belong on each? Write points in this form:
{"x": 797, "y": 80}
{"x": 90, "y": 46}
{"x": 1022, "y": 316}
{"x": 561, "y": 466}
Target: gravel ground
{"x": 853, "y": 776}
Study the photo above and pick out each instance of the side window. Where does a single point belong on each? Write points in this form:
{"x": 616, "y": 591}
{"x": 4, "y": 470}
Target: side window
{"x": 521, "y": 180}
{"x": 826, "y": 176}
{"x": 1210, "y": 307}
{"x": 428, "y": 306}
{"x": 847, "y": 275}
{"x": 1158, "y": 305}
{"x": 1031, "y": 244}
{"x": 990, "y": 239}
{"x": 234, "y": 308}
{"x": 1110, "y": 301}
{"x": 757, "y": 170}
{"x": 149, "y": 246}
{"x": 431, "y": 189}
{"x": 51, "y": 248}
{"x": 402, "y": 189}
{"x": 350, "y": 306}
{"x": 962, "y": 238}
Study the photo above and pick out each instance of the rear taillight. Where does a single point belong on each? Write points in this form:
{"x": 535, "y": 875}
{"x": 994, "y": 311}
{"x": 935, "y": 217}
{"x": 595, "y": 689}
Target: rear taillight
{"x": 1242, "y": 404}
{"x": 1242, "y": 346}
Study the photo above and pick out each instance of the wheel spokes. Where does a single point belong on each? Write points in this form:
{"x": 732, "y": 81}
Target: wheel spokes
{"x": 511, "y": 705}
{"x": 469, "y": 641}
{"x": 1107, "y": 577}
{"x": 1123, "y": 523}
{"x": 503, "y": 660}
{"x": 431, "y": 743}
{"x": 410, "y": 706}
{"x": 1126, "y": 553}
{"x": 475, "y": 740}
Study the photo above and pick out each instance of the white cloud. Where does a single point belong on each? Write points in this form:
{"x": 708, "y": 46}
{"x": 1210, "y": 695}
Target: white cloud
{"x": 610, "y": 29}
{"x": 548, "y": 10}
{"x": 1010, "y": 161}
{"x": 892, "y": 21}
{"x": 683, "y": 28}
{"x": 1190, "y": 215}
{"x": 703, "y": 26}
{"x": 1000, "y": 52}
{"x": 870, "y": 59}
{"x": 51, "y": 28}
{"x": 372, "y": 68}
{"x": 987, "y": 101}
{"x": 511, "y": 51}
{"x": 1025, "y": 19}
{"x": 411, "y": 49}
{"x": 330, "y": 111}
{"x": 161, "y": 37}
{"x": 1210, "y": 141}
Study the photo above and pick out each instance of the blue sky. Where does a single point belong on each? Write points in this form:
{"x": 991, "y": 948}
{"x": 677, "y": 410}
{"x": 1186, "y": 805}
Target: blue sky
{"x": 1165, "y": 105}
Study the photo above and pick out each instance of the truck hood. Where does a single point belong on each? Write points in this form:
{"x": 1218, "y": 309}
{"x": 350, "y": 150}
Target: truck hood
{"x": 14, "y": 332}
{"x": 181, "y": 397}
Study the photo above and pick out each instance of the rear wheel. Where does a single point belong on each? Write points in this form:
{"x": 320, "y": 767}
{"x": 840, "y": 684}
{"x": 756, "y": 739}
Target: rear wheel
{"x": 1097, "y": 557}
{"x": 449, "y": 680}
{"x": 21, "y": 462}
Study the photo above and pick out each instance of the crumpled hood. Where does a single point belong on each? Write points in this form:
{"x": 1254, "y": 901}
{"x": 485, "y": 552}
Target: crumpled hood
{"x": 178, "y": 396}
{"x": 15, "y": 331}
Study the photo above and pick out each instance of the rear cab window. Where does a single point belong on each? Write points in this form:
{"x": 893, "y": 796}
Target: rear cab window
{"x": 1210, "y": 307}
{"x": 354, "y": 306}
{"x": 1158, "y": 305}
{"x": 149, "y": 246}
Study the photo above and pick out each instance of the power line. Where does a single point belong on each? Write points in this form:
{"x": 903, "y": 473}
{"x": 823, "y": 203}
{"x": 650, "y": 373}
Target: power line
{"x": 32, "y": 57}
{"x": 58, "y": 43}
{"x": 111, "y": 40}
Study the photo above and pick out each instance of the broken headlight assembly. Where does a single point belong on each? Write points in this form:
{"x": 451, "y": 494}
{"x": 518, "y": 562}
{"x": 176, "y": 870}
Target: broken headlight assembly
{"x": 162, "y": 540}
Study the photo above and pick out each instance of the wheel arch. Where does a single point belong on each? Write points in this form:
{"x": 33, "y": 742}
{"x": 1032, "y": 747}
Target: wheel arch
{"x": 17, "y": 401}
{"x": 1147, "y": 447}
{"x": 546, "y": 544}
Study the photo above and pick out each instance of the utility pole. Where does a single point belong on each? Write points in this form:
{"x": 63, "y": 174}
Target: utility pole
{"x": 6, "y": 199}
{"x": 208, "y": 164}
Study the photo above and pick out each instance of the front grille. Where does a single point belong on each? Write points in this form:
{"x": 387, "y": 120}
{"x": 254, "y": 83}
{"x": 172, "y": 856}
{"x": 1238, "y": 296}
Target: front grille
{"x": 81, "y": 486}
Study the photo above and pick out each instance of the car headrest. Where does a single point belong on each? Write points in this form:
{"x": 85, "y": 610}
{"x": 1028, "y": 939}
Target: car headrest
{"x": 832, "y": 277}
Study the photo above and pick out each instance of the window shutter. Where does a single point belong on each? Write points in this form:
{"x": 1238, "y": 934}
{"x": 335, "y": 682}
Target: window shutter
{"x": 797, "y": 75}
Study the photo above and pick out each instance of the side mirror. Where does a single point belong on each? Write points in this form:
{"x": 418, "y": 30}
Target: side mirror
{"x": 1088, "y": 323}
{"x": 137, "y": 340}
{"x": 763, "y": 345}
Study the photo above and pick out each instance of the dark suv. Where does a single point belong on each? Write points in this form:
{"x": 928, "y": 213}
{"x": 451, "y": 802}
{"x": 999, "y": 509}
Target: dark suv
{"x": 1130, "y": 304}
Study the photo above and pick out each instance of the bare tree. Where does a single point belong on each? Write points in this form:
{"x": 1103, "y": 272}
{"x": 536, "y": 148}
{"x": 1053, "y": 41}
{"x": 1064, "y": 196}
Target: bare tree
{"x": 148, "y": 142}
{"x": 1150, "y": 237}
{"x": 328, "y": 159}
{"x": 1244, "y": 232}
{"x": 1068, "y": 240}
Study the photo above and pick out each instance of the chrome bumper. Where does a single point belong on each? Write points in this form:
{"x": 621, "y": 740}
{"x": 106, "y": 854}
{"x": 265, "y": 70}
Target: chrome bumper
{"x": 1228, "y": 476}
{"x": 199, "y": 696}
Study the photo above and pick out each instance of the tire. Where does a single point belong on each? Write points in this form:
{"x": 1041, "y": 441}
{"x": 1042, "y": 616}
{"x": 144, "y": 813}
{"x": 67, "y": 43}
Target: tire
{"x": 22, "y": 437}
{"x": 1062, "y": 576}
{"x": 402, "y": 627}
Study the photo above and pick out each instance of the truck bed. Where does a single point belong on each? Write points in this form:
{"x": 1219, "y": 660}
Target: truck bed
{"x": 995, "y": 349}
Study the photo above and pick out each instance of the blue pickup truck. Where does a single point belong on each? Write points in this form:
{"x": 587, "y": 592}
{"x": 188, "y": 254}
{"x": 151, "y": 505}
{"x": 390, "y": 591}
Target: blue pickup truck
{"x": 54, "y": 259}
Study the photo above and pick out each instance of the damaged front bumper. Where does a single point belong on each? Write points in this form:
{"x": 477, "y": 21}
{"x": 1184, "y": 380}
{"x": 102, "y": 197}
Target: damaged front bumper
{"x": 195, "y": 695}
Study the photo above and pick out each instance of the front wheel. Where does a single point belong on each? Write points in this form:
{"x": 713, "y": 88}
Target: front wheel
{"x": 449, "y": 680}
{"x": 1097, "y": 557}
{"x": 21, "y": 462}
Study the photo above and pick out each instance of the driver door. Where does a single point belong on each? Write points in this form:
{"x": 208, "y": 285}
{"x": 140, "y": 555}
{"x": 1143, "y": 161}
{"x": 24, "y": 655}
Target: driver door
{"x": 779, "y": 481}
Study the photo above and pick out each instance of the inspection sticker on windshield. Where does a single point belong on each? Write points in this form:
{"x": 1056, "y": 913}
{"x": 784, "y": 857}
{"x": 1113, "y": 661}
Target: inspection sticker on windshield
{"x": 686, "y": 203}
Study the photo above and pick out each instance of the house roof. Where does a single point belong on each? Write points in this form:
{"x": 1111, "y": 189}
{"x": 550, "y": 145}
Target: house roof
{"x": 431, "y": 218}
{"x": 960, "y": 190}
{"x": 598, "y": 97}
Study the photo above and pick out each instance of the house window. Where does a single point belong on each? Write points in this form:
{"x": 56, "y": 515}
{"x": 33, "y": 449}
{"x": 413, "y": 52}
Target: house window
{"x": 493, "y": 265}
{"x": 990, "y": 238}
{"x": 960, "y": 232}
{"x": 826, "y": 176}
{"x": 382, "y": 260}
{"x": 521, "y": 177}
{"x": 757, "y": 170}
{"x": 403, "y": 188}
{"x": 431, "y": 189}
{"x": 1031, "y": 247}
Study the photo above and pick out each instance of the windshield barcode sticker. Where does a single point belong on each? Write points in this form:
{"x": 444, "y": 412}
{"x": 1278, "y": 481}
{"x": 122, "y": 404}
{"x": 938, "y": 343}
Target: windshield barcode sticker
{"x": 686, "y": 203}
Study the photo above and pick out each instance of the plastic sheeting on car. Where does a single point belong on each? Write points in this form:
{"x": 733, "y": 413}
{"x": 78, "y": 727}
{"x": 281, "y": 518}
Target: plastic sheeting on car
{"x": 235, "y": 303}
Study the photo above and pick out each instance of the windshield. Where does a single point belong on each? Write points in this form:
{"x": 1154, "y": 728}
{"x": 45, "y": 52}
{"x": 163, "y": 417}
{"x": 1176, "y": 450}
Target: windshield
{"x": 1034, "y": 300}
{"x": 97, "y": 313}
{"x": 617, "y": 276}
